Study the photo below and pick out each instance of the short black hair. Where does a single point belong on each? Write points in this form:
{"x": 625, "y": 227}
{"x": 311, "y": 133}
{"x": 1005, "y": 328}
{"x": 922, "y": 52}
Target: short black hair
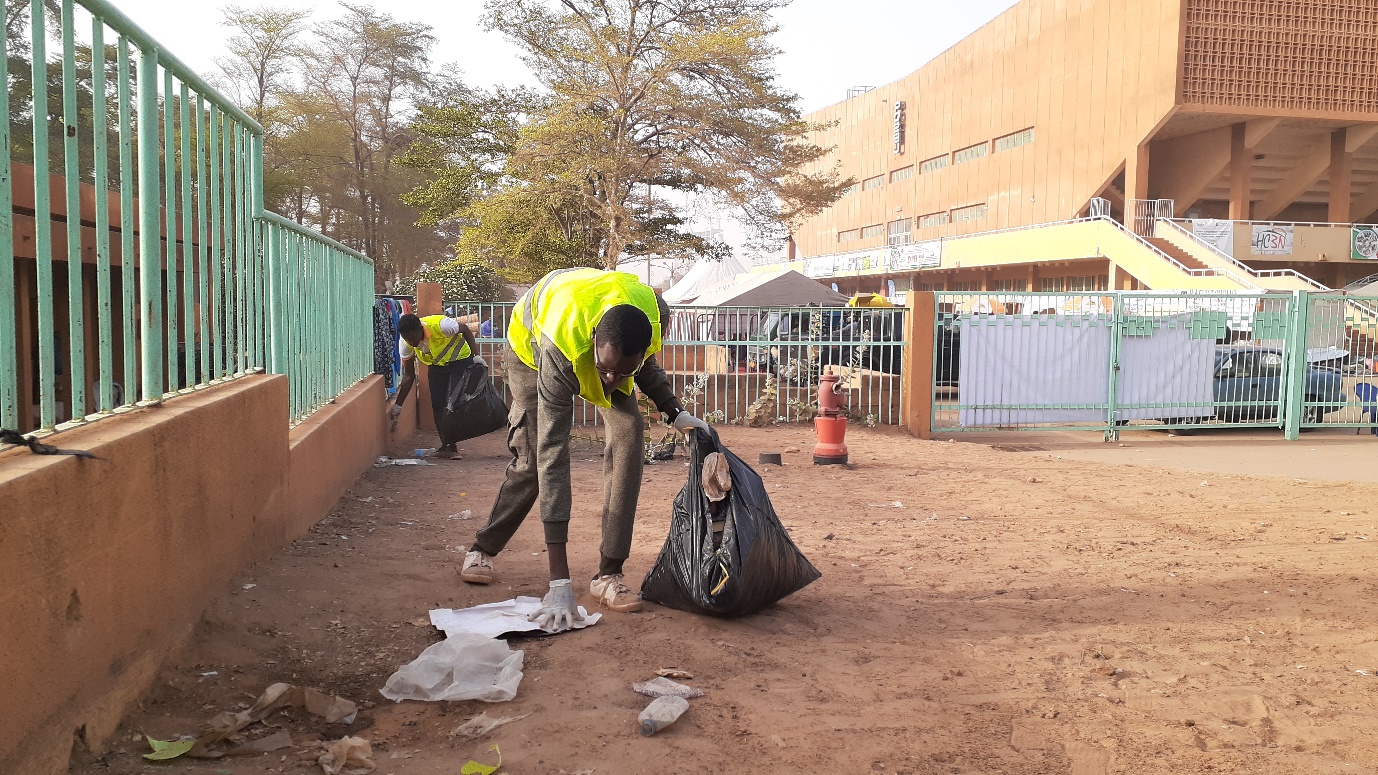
{"x": 627, "y": 328}
{"x": 409, "y": 323}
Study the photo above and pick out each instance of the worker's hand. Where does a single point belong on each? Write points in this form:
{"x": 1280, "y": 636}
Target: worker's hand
{"x": 480, "y": 361}
{"x": 558, "y": 611}
{"x": 684, "y": 422}
{"x": 394, "y": 411}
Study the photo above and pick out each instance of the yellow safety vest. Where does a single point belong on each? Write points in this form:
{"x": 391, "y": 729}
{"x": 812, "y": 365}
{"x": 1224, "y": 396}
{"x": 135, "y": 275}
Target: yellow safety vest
{"x": 440, "y": 349}
{"x": 565, "y": 307}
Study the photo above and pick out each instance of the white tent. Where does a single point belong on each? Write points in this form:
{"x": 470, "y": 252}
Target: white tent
{"x": 778, "y": 288}
{"x": 662, "y": 271}
{"x": 704, "y": 276}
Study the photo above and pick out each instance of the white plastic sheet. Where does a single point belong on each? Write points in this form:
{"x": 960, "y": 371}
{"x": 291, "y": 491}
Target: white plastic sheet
{"x": 461, "y": 667}
{"x": 493, "y": 620}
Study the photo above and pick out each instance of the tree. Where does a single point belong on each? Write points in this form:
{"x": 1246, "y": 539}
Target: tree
{"x": 459, "y": 280}
{"x": 266, "y": 43}
{"x": 647, "y": 95}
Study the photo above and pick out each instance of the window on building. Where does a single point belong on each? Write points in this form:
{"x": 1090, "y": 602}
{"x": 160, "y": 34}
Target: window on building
{"x": 872, "y": 231}
{"x": 968, "y": 286}
{"x": 851, "y": 235}
{"x": 932, "y": 219}
{"x": 933, "y": 165}
{"x": 849, "y": 190}
{"x": 903, "y": 284}
{"x": 1087, "y": 283}
{"x": 935, "y": 286}
{"x": 1009, "y": 285}
{"x": 968, "y": 213}
{"x": 970, "y": 153}
{"x": 870, "y": 183}
{"x": 903, "y": 173}
{"x": 1011, "y": 141}
{"x": 1051, "y": 284}
{"x": 897, "y": 232}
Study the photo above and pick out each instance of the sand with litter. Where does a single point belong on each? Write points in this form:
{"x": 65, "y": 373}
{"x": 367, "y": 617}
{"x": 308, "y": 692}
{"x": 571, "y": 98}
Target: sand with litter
{"x": 979, "y": 612}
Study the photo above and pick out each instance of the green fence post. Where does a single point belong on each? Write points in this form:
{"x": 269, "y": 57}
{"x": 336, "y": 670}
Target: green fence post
{"x": 1112, "y": 430}
{"x": 43, "y": 220}
{"x": 150, "y": 212}
{"x": 76, "y": 323}
{"x": 128, "y": 309}
{"x": 1294, "y": 391}
{"x": 9, "y": 347}
{"x": 100, "y": 126}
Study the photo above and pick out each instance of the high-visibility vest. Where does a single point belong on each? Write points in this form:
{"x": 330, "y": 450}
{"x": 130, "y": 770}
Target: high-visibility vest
{"x": 565, "y": 307}
{"x": 441, "y": 349}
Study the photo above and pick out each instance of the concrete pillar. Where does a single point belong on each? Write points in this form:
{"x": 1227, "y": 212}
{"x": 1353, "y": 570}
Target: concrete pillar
{"x": 1136, "y": 175}
{"x": 916, "y": 381}
{"x": 1341, "y": 162}
{"x": 1241, "y": 175}
{"x": 429, "y": 298}
{"x": 1112, "y": 282}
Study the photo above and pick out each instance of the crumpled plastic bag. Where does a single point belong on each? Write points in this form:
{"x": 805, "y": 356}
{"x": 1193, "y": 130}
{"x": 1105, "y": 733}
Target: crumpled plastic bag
{"x": 335, "y": 710}
{"x": 664, "y": 687}
{"x": 461, "y": 667}
{"x": 348, "y": 755}
{"x": 494, "y": 620}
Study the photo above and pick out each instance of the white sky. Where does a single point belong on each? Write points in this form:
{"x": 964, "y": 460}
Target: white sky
{"x": 827, "y": 46}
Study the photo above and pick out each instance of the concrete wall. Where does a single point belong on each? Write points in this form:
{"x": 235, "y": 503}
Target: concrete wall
{"x": 106, "y": 565}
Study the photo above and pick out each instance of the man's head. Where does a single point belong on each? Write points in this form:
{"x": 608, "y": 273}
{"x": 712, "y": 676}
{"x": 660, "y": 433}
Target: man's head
{"x": 620, "y": 342}
{"x": 410, "y": 328}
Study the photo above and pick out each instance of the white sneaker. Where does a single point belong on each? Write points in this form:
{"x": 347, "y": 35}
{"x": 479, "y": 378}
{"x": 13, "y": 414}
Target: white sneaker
{"x": 478, "y": 568}
{"x": 616, "y": 595}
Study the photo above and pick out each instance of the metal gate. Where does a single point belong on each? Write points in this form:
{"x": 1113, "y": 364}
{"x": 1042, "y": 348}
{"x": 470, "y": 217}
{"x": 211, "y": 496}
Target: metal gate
{"x": 755, "y": 365}
{"x": 1106, "y": 361}
{"x": 1339, "y": 387}
{"x": 1144, "y": 214}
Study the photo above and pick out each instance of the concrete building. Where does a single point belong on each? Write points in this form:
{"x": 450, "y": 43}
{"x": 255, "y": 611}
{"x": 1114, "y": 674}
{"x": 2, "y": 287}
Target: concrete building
{"x": 1106, "y": 119}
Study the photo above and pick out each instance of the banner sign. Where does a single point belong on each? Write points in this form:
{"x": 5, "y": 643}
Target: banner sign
{"x": 1217, "y": 234}
{"x": 899, "y": 126}
{"x": 1363, "y": 243}
{"x": 819, "y": 266}
{"x": 916, "y": 255}
{"x": 1271, "y": 240}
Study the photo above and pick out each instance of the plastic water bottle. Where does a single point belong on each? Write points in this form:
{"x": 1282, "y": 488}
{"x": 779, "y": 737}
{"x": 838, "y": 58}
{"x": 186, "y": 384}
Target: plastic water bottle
{"x": 422, "y": 452}
{"x": 661, "y": 714}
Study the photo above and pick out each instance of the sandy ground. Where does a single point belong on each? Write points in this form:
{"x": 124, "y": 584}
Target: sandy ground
{"x": 980, "y": 611}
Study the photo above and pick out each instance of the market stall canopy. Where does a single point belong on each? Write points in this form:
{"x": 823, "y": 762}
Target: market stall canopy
{"x": 706, "y": 275}
{"x": 779, "y": 288}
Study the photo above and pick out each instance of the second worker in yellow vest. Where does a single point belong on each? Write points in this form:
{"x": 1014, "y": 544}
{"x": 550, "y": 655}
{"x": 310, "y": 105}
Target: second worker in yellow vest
{"x": 447, "y": 348}
{"x": 578, "y": 333}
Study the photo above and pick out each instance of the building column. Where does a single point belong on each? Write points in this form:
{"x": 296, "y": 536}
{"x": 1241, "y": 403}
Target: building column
{"x": 1136, "y": 175}
{"x": 1241, "y": 174}
{"x": 1112, "y": 281}
{"x": 1341, "y": 161}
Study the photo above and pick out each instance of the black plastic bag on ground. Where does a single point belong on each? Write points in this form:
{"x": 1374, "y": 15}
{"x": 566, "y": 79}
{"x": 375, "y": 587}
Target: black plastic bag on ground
{"x": 473, "y": 407}
{"x": 756, "y": 564}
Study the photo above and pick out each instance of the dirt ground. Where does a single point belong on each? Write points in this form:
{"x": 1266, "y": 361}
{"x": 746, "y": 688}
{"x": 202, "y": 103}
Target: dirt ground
{"x": 980, "y": 611}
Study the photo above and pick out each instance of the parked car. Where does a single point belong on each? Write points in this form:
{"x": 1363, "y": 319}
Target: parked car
{"x": 1247, "y": 386}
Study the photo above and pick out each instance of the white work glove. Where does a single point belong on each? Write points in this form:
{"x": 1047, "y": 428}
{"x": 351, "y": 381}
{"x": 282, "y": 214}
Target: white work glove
{"x": 394, "y": 411}
{"x": 480, "y": 361}
{"x": 684, "y": 422}
{"x": 558, "y": 611}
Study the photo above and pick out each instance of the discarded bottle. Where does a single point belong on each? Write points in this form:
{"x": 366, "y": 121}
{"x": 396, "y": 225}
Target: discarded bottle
{"x": 661, "y": 714}
{"x": 422, "y": 452}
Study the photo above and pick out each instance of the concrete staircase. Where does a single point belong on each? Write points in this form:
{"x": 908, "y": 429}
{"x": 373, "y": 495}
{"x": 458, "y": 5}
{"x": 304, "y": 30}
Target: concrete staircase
{"x": 1183, "y": 257}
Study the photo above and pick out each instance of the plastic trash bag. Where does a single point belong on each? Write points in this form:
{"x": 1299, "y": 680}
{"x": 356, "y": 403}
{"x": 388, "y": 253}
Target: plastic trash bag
{"x": 756, "y": 564}
{"x": 461, "y": 667}
{"x": 473, "y": 407}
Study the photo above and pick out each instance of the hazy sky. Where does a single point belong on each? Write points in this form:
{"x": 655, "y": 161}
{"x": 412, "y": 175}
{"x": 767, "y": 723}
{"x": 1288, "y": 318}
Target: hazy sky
{"x": 827, "y": 46}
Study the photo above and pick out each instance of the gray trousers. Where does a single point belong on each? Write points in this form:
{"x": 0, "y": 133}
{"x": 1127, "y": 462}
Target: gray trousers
{"x": 540, "y": 420}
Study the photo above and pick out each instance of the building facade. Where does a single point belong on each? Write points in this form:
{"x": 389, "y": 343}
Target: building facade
{"x": 1260, "y": 112}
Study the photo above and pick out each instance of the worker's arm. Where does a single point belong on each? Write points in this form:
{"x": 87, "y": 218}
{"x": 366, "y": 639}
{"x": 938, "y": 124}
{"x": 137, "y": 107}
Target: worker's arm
{"x": 408, "y": 379}
{"x": 468, "y": 335}
{"x": 556, "y": 387}
{"x": 653, "y": 382}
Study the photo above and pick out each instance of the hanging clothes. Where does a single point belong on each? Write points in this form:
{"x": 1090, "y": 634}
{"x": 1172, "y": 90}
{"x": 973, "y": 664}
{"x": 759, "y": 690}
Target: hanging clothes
{"x": 384, "y": 342}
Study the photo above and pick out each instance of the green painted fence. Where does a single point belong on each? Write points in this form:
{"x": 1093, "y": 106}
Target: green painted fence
{"x": 176, "y": 277}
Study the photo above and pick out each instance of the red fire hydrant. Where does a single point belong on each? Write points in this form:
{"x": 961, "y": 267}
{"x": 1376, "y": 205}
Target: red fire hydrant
{"x": 830, "y": 425}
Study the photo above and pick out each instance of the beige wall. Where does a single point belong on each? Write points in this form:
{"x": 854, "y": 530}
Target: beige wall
{"x": 1040, "y": 65}
{"x": 105, "y": 565}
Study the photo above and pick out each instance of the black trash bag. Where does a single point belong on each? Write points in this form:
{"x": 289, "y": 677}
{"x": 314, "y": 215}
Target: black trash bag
{"x": 473, "y": 407}
{"x": 756, "y": 565}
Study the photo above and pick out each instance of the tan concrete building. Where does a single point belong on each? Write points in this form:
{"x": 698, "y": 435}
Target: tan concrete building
{"x": 1262, "y": 112}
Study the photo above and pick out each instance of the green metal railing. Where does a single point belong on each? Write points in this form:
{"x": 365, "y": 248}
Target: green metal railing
{"x": 177, "y": 279}
{"x": 755, "y": 364}
{"x": 1135, "y": 360}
